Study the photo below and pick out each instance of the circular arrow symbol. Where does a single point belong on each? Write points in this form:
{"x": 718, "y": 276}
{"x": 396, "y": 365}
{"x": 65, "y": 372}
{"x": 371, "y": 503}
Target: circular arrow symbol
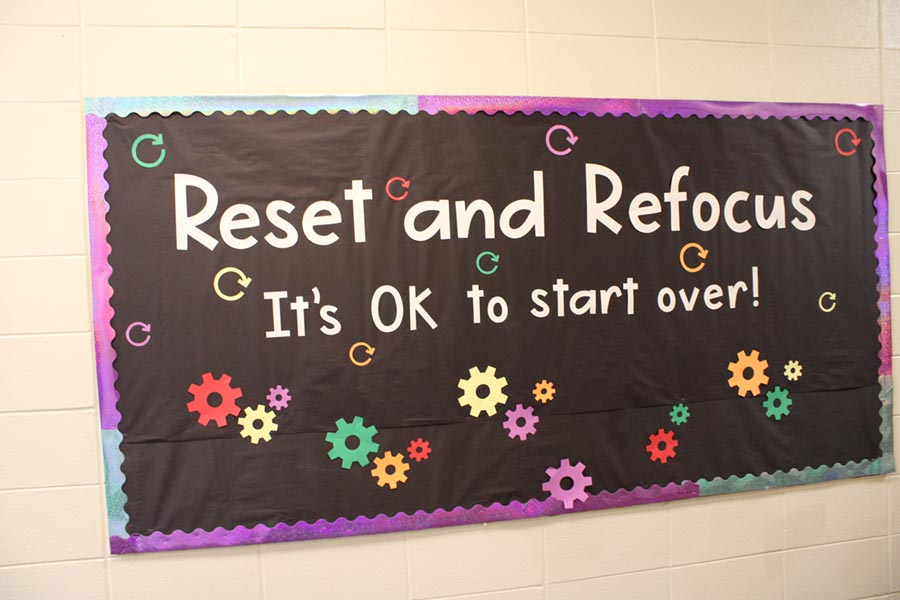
{"x": 404, "y": 183}
{"x": 145, "y": 327}
{"x": 831, "y": 297}
{"x": 495, "y": 258}
{"x": 155, "y": 140}
{"x": 570, "y": 137}
{"x": 242, "y": 281}
{"x": 854, "y": 139}
{"x": 370, "y": 350}
{"x": 701, "y": 252}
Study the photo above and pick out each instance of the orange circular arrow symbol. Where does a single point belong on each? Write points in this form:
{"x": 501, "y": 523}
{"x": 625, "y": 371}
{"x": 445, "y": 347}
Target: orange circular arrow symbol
{"x": 370, "y": 350}
{"x": 701, "y": 252}
{"x": 854, "y": 139}
{"x": 404, "y": 183}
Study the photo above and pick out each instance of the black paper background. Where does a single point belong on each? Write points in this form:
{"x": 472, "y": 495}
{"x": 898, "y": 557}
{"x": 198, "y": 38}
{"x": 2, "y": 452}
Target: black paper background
{"x": 617, "y": 376}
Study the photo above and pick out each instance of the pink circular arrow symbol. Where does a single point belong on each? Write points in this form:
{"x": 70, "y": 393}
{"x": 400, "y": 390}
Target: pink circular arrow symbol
{"x": 570, "y": 137}
{"x": 404, "y": 183}
{"x": 854, "y": 139}
{"x": 145, "y": 327}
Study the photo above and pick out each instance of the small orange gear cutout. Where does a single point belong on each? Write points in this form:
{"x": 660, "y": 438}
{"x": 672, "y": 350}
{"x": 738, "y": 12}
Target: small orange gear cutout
{"x": 390, "y": 469}
{"x": 544, "y": 391}
{"x": 748, "y": 385}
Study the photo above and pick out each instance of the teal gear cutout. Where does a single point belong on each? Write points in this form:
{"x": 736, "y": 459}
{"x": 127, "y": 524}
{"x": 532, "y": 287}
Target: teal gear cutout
{"x": 680, "y": 414}
{"x": 338, "y": 440}
{"x": 777, "y": 404}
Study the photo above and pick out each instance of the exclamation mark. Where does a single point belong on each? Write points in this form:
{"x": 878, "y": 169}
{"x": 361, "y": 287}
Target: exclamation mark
{"x": 755, "y": 287}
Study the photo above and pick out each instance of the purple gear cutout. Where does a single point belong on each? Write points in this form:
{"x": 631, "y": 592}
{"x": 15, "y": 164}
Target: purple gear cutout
{"x": 579, "y": 483}
{"x": 278, "y": 397}
{"x": 520, "y": 413}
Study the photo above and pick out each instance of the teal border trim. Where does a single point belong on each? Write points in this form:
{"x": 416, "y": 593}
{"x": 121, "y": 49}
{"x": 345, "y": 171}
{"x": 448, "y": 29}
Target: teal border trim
{"x": 115, "y": 479}
{"x": 166, "y": 105}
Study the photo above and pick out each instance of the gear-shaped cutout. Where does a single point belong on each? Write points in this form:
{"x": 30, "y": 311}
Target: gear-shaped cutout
{"x": 575, "y": 475}
{"x": 777, "y": 403}
{"x": 258, "y": 424}
{"x": 219, "y": 413}
{"x": 748, "y": 385}
{"x": 679, "y": 414}
{"x": 793, "y": 370}
{"x": 278, "y": 397}
{"x": 662, "y": 445}
{"x": 543, "y": 391}
{"x": 362, "y": 448}
{"x": 419, "y": 450}
{"x": 482, "y": 403}
{"x": 390, "y": 470}
{"x": 527, "y": 418}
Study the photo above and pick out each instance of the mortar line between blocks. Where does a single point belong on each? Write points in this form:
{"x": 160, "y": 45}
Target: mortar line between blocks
{"x": 48, "y": 563}
{"x": 387, "y": 53}
{"x": 481, "y": 594}
{"x": 47, "y": 488}
{"x": 262, "y": 576}
{"x": 527, "y": 48}
{"x": 783, "y": 537}
{"x": 771, "y": 46}
{"x": 409, "y": 593}
{"x": 669, "y": 550}
{"x": 237, "y": 47}
{"x": 655, "y": 48}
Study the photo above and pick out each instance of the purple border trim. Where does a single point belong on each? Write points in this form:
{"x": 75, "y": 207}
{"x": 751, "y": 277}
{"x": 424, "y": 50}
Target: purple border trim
{"x": 104, "y": 334}
{"x": 547, "y": 105}
{"x": 240, "y": 536}
{"x": 100, "y": 272}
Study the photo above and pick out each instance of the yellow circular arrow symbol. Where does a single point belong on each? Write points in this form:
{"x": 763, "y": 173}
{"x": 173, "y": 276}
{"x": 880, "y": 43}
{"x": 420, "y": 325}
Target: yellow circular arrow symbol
{"x": 370, "y": 350}
{"x": 830, "y": 296}
{"x": 701, "y": 252}
{"x": 242, "y": 281}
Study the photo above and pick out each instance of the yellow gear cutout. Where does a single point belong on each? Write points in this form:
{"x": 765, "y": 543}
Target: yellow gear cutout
{"x": 266, "y": 420}
{"x": 482, "y": 403}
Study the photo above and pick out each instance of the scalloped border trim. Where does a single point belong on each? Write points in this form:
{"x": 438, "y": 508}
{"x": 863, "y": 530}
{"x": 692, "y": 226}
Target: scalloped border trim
{"x": 96, "y": 110}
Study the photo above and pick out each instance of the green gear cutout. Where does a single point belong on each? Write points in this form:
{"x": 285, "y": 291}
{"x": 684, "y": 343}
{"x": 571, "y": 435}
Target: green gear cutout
{"x": 338, "y": 440}
{"x": 777, "y": 403}
{"x": 680, "y": 414}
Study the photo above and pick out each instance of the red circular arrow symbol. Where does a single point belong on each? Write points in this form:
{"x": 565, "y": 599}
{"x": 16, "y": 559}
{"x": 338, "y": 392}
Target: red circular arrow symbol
{"x": 404, "y": 183}
{"x": 854, "y": 139}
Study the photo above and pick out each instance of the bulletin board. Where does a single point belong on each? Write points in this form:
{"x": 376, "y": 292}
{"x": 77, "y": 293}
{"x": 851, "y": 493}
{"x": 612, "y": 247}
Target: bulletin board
{"x": 330, "y": 316}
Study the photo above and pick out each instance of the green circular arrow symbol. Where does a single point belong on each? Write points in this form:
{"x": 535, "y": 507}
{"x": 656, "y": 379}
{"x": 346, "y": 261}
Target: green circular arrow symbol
{"x": 156, "y": 139}
{"x": 495, "y": 258}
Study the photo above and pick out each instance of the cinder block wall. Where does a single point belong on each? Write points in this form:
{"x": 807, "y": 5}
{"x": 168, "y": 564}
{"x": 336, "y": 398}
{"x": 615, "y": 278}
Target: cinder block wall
{"x": 831, "y": 541}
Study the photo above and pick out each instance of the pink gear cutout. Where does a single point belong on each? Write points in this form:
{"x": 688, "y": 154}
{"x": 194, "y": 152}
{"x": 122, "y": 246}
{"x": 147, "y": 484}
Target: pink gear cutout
{"x": 520, "y": 413}
{"x": 579, "y": 483}
{"x": 278, "y": 397}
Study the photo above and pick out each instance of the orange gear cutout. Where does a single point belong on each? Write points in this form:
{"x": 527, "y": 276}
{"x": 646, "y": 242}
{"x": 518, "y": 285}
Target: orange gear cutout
{"x": 740, "y": 381}
{"x": 544, "y": 391}
{"x": 390, "y": 469}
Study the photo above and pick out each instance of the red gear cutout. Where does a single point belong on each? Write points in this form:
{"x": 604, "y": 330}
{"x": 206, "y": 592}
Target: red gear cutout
{"x": 200, "y": 403}
{"x": 419, "y": 450}
{"x": 662, "y": 454}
